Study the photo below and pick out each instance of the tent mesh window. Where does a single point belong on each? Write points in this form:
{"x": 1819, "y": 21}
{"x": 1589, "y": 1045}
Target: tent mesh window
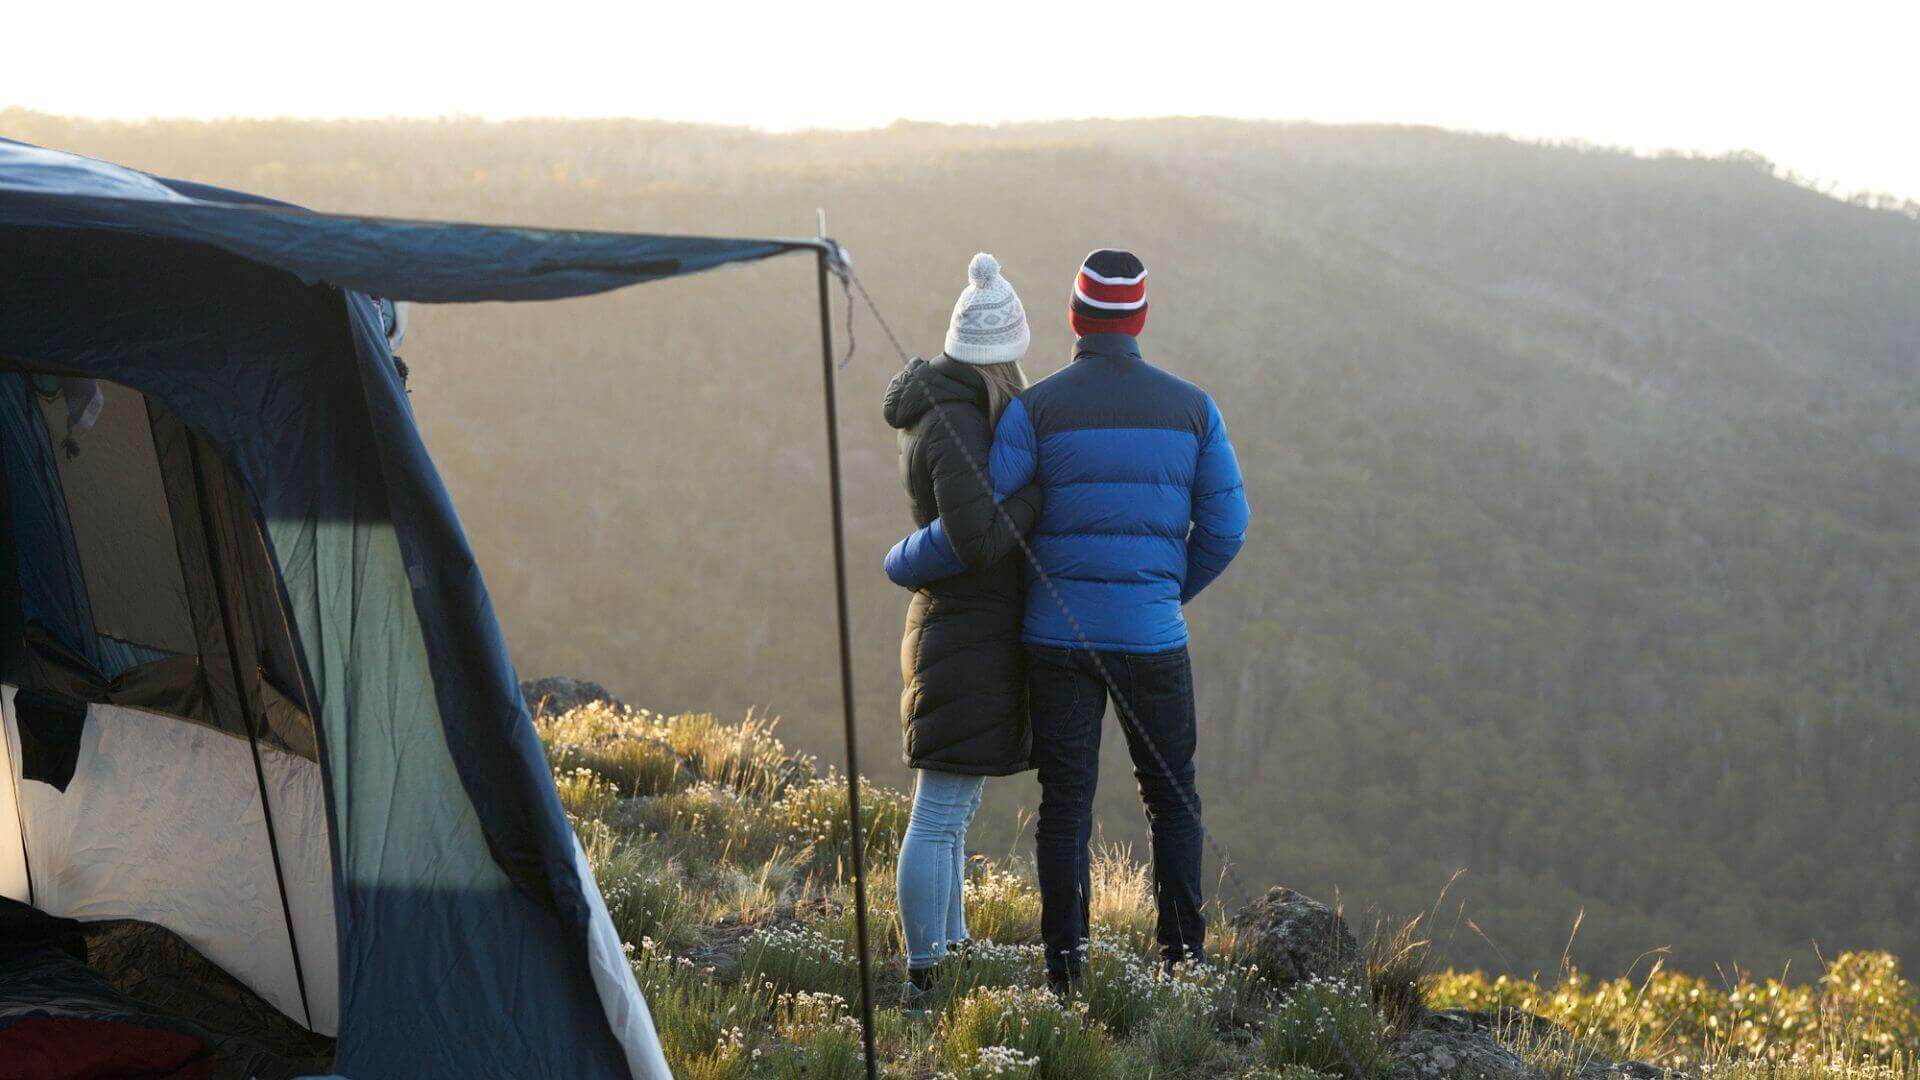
{"x": 174, "y": 604}
{"x": 116, "y": 507}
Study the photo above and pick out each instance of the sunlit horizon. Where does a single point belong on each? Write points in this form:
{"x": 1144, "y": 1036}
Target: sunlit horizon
{"x": 1821, "y": 91}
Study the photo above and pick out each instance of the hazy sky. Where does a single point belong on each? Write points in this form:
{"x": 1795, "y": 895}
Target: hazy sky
{"x": 1825, "y": 89}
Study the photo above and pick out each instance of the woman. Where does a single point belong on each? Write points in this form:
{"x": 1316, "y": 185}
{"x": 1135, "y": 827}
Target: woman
{"x": 964, "y": 706}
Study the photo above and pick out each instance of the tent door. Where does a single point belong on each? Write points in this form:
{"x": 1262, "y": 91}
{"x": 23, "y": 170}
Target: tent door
{"x": 146, "y": 595}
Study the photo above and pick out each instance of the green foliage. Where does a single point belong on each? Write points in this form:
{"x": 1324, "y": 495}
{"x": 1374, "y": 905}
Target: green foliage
{"x": 1328, "y": 1026}
{"x": 989, "y": 964}
{"x": 625, "y": 747}
{"x": 710, "y": 823}
{"x": 1862, "y": 1010}
{"x": 1123, "y": 896}
{"x": 815, "y": 813}
{"x": 1002, "y": 906}
{"x": 645, "y": 897}
{"x": 1123, "y": 989}
{"x": 745, "y": 756}
{"x": 1171, "y": 1045}
{"x": 1065, "y": 1042}
{"x": 823, "y": 1038}
{"x": 1399, "y": 970}
{"x": 801, "y": 959}
{"x": 586, "y": 795}
{"x": 702, "y": 1023}
{"x": 787, "y": 1016}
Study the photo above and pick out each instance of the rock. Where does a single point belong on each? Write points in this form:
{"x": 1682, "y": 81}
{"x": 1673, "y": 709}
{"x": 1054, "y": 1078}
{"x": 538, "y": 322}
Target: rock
{"x": 1429, "y": 1054}
{"x": 1294, "y": 938}
{"x": 1468, "y": 1044}
{"x": 561, "y": 693}
{"x": 1505, "y": 1021}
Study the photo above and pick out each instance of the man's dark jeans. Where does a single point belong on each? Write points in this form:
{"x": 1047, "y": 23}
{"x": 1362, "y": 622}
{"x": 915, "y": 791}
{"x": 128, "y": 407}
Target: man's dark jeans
{"x": 1069, "y": 702}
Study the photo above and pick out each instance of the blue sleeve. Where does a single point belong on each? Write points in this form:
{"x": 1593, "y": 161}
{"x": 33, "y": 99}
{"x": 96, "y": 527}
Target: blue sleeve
{"x": 1220, "y": 511}
{"x": 928, "y": 554}
{"x": 1014, "y": 459}
{"x": 925, "y": 556}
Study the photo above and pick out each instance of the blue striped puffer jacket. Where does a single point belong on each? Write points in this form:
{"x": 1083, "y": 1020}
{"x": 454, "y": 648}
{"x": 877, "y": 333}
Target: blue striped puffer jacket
{"x": 1144, "y": 502}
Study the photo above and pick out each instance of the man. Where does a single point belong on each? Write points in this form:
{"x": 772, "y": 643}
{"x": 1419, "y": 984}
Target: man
{"x": 1144, "y": 507}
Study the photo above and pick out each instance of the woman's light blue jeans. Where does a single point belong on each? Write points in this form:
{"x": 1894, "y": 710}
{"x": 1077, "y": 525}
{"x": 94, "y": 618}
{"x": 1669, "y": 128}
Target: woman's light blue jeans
{"x": 933, "y": 863}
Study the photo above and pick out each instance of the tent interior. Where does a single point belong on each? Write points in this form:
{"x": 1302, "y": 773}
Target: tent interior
{"x": 159, "y": 764}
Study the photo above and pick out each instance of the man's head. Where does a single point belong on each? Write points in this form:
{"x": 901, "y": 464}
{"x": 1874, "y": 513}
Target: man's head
{"x": 1110, "y": 294}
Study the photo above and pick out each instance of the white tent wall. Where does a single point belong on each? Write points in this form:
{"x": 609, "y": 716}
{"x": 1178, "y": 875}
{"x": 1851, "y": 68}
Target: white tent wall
{"x": 13, "y": 853}
{"x": 163, "y": 822}
{"x": 613, "y": 980}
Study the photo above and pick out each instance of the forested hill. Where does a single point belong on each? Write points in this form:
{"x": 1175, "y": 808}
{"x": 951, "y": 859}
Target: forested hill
{"x": 1585, "y": 485}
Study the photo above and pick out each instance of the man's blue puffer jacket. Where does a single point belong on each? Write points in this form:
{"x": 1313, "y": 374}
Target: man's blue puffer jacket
{"x": 1144, "y": 502}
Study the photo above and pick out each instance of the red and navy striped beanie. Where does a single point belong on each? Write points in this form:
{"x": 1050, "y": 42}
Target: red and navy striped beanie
{"x": 1110, "y": 295}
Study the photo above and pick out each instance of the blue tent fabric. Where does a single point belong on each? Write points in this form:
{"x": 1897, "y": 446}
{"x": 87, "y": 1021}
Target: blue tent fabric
{"x": 464, "y": 919}
{"x": 427, "y": 261}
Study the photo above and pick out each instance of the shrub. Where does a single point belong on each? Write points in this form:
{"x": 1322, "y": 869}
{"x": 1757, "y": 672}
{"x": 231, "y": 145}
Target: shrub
{"x": 1173, "y": 1044}
{"x": 1065, "y": 1043}
{"x": 1002, "y": 907}
{"x": 741, "y": 895}
{"x": 1861, "y": 1010}
{"x": 644, "y": 896}
{"x": 1399, "y": 967}
{"x": 829, "y": 1052}
{"x": 702, "y": 1024}
{"x": 710, "y": 824}
{"x": 586, "y": 796}
{"x": 815, "y": 813}
{"x": 624, "y": 746}
{"x": 993, "y": 965}
{"x": 1869, "y": 1008}
{"x": 801, "y": 959}
{"x": 743, "y": 756}
{"x": 1123, "y": 991}
{"x": 998, "y": 1061}
{"x": 1122, "y": 898}
{"x": 1327, "y": 1025}
{"x": 823, "y": 1038}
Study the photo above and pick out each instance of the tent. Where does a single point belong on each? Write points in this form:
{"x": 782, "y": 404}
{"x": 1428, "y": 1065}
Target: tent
{"x": 253, "y": 687}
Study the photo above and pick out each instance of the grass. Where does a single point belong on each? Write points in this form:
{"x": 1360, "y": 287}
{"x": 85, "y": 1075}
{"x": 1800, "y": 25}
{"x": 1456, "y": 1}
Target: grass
{"x": 801, "y": 959}
{"x": 724, "y": 863}
{"x": 1123, "y": 989}
{"x": 622, "y": 747}
{"x": 815, "y": 813}
{"x": 1329, "y": 1026}
{"x": 1060, "y": 1042}
{"x": 1002, "y": 906}
{"x": 1861, "y": 1010}
{"x": 1399, "y": 970}
{"x": 645, "y": 896}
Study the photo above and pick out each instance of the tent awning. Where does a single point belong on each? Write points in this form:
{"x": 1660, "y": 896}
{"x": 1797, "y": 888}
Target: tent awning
{"x": 426, "y": 261}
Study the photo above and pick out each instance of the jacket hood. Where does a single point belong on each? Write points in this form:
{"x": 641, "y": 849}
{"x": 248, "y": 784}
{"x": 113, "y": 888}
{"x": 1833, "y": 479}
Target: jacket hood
{"x": 915, "y": 391}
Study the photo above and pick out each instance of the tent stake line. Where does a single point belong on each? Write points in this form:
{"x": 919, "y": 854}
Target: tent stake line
{"x": 855, "y": 830}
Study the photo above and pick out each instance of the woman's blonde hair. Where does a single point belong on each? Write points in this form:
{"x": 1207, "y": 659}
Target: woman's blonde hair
{"x": 1004, "y": 383}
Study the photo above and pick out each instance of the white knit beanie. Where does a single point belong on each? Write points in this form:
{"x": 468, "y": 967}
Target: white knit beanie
{"x": 989, "y": 326}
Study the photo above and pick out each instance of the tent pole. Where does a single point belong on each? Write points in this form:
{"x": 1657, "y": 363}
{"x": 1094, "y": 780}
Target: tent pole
{"x": 856, "y": 835}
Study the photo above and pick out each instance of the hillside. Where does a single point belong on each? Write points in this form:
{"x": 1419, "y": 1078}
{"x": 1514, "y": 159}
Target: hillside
{"x": 1585, "y": 485}
{"x": 724, "y": 861}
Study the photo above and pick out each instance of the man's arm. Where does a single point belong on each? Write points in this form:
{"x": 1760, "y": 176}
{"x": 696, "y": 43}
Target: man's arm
{"x": 976, "y": 527}
{"x": 1220, "y": 511}
{"x": 924, "y": 556}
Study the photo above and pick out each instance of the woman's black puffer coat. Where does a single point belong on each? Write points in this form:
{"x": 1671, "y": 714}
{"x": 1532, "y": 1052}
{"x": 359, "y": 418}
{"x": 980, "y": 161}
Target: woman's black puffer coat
{"x": 964, "y": 709}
